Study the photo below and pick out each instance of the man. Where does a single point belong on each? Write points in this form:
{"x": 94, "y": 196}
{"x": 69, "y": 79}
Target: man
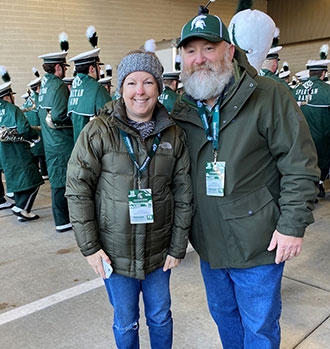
{"x": 314, "y": 97}
{"x": 269, "y": 67}
{"x": 30, "y": 110}
{"x": 254, "y": 169}
{"x": 87, "y": 95}
{"x": 169, "y": 94}
{"x": 22, "y": 174}
{"x": 57, "y": 132}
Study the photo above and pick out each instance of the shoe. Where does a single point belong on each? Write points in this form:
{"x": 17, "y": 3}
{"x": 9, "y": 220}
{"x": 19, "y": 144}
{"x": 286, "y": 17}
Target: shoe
{"x": 21, "y": 219}
{"x": 63, "y": 228}
{"x": 321, "y": 193}
{"x": 5, "y": 205}
{"x": 10, "y": 195}
{"x": 45, "y": 177}
{"x": 16, "y": 210}
{"x": 27, "y": 216}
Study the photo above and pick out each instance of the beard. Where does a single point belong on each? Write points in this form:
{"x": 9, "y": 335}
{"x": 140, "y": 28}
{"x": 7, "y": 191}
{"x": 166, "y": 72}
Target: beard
{"x": 208, "y": 80}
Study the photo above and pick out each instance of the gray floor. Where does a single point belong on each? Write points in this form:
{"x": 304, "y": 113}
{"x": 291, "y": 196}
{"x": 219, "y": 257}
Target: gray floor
{"x": 50, "y": 298}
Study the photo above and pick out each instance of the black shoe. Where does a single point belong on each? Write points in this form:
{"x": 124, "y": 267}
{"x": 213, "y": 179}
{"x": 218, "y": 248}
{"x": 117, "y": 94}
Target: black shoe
{"x": 321, "y": 193}
{"x": 27, "y": 216}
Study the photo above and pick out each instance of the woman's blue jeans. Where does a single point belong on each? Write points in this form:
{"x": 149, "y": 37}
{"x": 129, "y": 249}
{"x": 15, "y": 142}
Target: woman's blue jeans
{"x": 124, "y": 295}
{"x": 245, "y": 304}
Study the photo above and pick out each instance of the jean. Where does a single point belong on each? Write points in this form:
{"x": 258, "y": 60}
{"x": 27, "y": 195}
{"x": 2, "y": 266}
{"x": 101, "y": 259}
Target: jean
{"x": 245, "y": 305}
{"x": 124, "y": 295}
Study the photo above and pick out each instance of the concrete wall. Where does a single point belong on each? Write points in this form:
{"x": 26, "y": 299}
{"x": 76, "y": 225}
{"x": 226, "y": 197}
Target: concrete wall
{"x": 31, "y": 28}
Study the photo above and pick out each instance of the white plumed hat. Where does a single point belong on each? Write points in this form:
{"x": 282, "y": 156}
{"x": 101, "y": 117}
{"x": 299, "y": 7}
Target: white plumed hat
{"x": 253, "y": 32}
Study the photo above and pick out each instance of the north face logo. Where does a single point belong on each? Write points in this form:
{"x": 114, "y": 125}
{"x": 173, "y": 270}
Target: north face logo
{"x": 198, "y": 22}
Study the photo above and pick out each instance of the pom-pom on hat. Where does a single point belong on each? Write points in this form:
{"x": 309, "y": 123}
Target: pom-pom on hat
{"x": 253, "y": 32}
{"x": 141, "y": 61}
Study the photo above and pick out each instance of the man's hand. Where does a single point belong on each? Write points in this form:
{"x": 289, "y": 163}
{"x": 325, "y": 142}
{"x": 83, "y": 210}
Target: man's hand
{"x": 287, "y": 246}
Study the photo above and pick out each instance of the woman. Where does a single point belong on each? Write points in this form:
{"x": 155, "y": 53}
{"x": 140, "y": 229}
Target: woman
{"x": 129, "y": 195}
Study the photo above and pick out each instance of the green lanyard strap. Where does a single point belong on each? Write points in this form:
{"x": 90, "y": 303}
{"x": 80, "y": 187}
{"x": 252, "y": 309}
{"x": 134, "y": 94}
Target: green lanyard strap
{"x": 212, "y": 133}
{"x": 146, "y": 162}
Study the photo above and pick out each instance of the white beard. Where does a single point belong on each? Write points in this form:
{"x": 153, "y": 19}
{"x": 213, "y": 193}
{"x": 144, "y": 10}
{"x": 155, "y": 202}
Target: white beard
{"x": 208, "y": 81}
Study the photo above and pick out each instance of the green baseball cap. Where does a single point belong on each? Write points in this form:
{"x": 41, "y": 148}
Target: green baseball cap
{"x": 208, "y": 27}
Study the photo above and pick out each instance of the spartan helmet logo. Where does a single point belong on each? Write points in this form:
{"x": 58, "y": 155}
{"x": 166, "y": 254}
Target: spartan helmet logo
{"x": 198, "y": 22}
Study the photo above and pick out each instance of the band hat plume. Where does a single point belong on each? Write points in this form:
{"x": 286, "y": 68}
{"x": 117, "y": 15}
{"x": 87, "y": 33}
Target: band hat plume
{"x": 141, "y": 61}
{"x": 253, "y": 32}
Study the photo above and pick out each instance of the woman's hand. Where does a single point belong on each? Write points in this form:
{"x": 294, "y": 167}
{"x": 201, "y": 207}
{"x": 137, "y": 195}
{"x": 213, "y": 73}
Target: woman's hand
{"x": 95, "y": 261}
{"x": 171, "y": 263}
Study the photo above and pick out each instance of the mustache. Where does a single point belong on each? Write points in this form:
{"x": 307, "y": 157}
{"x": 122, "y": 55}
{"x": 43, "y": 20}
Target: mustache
{"x": 202, "y": 68}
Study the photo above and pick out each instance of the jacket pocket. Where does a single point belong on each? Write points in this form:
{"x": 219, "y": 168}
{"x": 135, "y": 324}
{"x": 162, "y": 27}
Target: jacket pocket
{"x": 250, "y": 221}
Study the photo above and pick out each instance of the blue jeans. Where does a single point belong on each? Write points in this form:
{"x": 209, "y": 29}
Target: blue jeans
{"x": 124, "y": 295}
{"x": 245, "y": 304}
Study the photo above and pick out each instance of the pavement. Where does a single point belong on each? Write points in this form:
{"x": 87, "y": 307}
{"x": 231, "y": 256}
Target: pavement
{"x": 51, "y": 298}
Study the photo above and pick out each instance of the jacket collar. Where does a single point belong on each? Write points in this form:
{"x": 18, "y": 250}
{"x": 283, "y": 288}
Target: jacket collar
{"x": 117, "y": 117}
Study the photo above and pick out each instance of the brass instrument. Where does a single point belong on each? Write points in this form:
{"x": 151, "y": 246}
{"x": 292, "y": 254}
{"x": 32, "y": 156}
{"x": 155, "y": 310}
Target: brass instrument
{"x": 52, "y": 125}
{"x": 10, "y": 134}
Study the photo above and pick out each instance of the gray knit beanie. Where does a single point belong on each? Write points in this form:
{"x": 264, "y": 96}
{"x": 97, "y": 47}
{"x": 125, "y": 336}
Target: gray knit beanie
{"x": 140, "y": 61}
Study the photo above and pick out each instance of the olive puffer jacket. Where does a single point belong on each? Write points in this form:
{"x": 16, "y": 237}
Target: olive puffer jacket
{"x": 100, "y": 174}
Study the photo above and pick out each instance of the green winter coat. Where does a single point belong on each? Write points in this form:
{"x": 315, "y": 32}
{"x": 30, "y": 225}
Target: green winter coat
{"x": 270, "y": 175}
{"x": 314, "y": 95}
{"x": 87, "y": 96}
{"x": 58, "y": 143}
{"x": 16, "y": 158}
{"x": 100, "y": 174}
{"x": 30, "y": 110}
{"x": 168, "y": 98}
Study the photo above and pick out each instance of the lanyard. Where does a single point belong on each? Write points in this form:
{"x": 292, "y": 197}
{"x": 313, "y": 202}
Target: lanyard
{"x": 213, "y": 132}
{"x": 147, "y": 160}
